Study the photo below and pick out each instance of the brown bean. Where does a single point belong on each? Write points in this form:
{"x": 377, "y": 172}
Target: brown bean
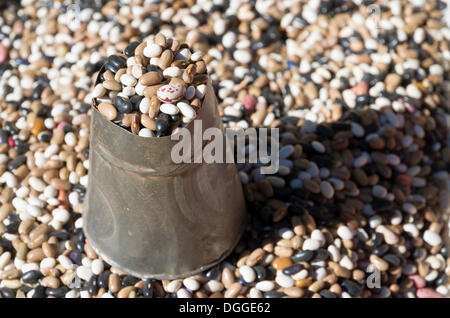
{"x": 150, "y": 91}
{"x": 59, "y": 184}
{"x": 165, "y": 59}
{"x": 5, "y": 209}
{"x": 379, "y": 263}
{"x": 89, "y": 251}
{"x": 175, "y": 45}
{"x": 107, "y": 110}
{"x": 126, "y": 120}
{"x": 26, "y": 226}
{"x": 68, "y": 277}
{"x": 114, "y": 283}
{"x": 112, "y": 85}
{"x": 316, "y": 286}
{"x": 125, "y": 292}
{"x": 135, "y": 124}
{"x": 119, "y": 74}
{"x": 255, "y": 257}
{"x": 39, "y": 230}
{"x": 189, "y": 73}
{"x": 227, "y": 277}
{"x": 233, "y": 291}
{"x": 35, "y": 255}
{"x": 293, "y": 291}
{"x": 148, "y": 122}
{"x": 151, "y": 78}
{"x": 49, "y": 250}
{"x": 51, "y": 282}
{"x": 160, "y": 39}
{"x": 154, "y": 107}
{"x": 9, "y": 274}
{"x": 108, "y": 76}
{"x": 200, "y": 67}
{"x": 140, "y": 48}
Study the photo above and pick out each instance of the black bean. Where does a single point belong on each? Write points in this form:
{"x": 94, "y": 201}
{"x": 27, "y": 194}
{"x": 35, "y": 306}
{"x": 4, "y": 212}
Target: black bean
{"x": 213, "y": 273}
{"x": 45, "y": 136}
{"x": 321, "y": 255}
{"x": 60, "y": 235}
{"x": 129, "y": 281}
{"x": 79, "y": 188}
{"x": 79, "y": 245}
{"x": 175, "y": 118}
{"x": 3, "y": 136}
{"x": 362, "y": 100}
{"x": 392, "y": 259}
{"x": 37, "y": 91}
{"x": 21, "y": 147}
{"x": 11, "y": 128}
{"x": 327, "y": 294}
{"x": 57, "y": 292}
{"x": 299, "y": 21}
{"x": 5, "y": 244}
{"x": 4, "y": 67}
{"x": 381, "y": 250}
{"x": 103, "y": 279}
{"x": 25, "y": 289}
{"x": 419, "y": 254}
{"x": 352, "y": 287}
{"x": 7, "y": 293}
{"x": 117, "y": 61}
{"x": 135, "y": 100}
{"x": 442, "y": 280}
{"x": 149, "y": 288}
{"x": 16, "y": 162}
{"x": 381, "y": 205}
{"x": 92, "y": 285}
{"x": 12, "y": 228}
{"x": 86, "y": 153}
{"x": 39, "y": 292}
{"x": 243, "y": 282}
{"x": 260, "y": 271}
{"x": 129, "y": 50}
{"x": 152, "y": 68}
{"x": 75, "y": 256}
{"x": 273, "y": 294}
{"x": 90, "y": 68}
{"x": 84, "y": 108}
{"x": 228, "y": 118}
{"x": 123, "y": 105}
{"x": 324, "y": 131}
{"x": 444, "y": 251}
{"x": 303, "y": 256}
{"x": 293, "y": 269}
{"x": 44, "y": 111}
{"x": 162, "y": 126}
{"x": 67, "y": 128}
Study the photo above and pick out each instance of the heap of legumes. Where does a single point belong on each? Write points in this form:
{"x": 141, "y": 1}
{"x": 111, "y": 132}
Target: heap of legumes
{"x": 152, "y": 88}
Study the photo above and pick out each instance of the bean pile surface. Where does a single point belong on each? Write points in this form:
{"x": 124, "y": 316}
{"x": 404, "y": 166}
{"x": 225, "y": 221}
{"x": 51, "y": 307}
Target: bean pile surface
{"x": 358, "y": 92}
{"x": 153, "y": 88}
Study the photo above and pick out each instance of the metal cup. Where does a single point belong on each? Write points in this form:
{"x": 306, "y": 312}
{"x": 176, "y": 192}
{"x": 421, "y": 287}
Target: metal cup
{"x": 153, "y": 218}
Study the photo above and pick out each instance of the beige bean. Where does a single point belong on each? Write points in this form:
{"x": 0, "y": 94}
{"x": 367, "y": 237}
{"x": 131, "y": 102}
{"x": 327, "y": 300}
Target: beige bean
{"x": 108, "y": 110}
